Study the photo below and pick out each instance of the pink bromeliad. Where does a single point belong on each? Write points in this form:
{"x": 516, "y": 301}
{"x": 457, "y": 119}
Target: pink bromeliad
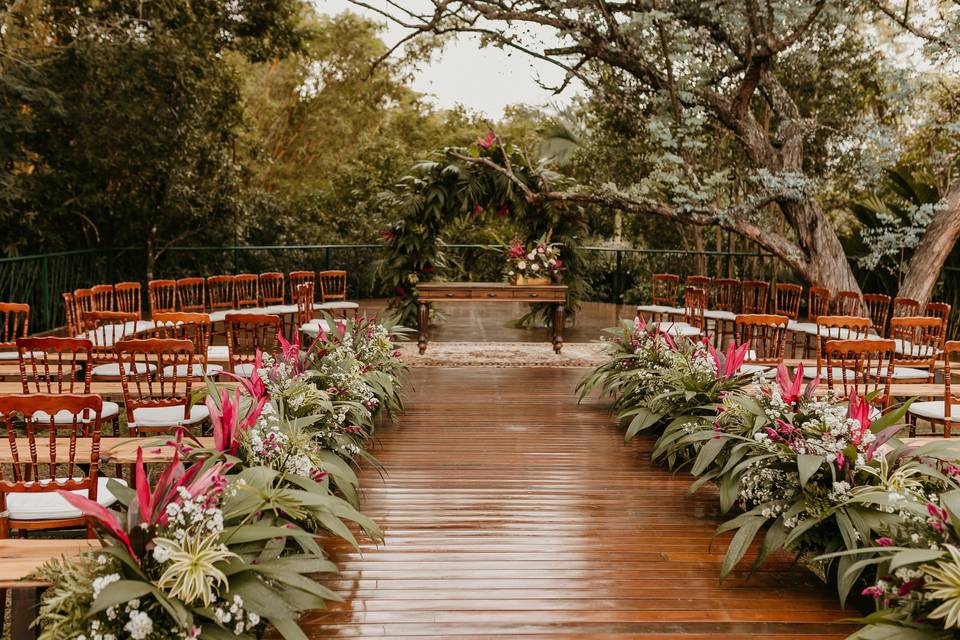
{"x": 790, "y": 387}
{"x": 732, "y": 360}
{"x": 226, "y": 421}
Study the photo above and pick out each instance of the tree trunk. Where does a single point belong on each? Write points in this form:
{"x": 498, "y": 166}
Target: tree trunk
{"x": 938, "y": 241}
{"x": 825, "y": 263}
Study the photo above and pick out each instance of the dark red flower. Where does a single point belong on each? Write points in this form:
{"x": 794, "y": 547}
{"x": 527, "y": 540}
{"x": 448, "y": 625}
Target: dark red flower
{"x": 503, "y": 211}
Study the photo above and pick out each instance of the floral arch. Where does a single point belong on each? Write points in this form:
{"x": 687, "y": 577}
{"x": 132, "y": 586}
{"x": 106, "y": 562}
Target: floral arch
{"x": 473, "y": 185}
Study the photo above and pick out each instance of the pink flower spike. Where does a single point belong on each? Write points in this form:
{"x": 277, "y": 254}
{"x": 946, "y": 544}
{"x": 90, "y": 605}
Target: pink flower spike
{"x": 735, "y": 357}
{"x": 101, "y": 514}
{"x": 713, "y": 354}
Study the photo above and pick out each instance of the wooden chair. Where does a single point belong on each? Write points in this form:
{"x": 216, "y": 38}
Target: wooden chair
{"x": 864, "y": 366}
{"x": 699, "y": 282}
{"x": 846, "y": 328}
{"x": 767, "y": 335}
{"x": 917, "y": 342}
{"x": 221, "y": 293}
{"x": 105, "y": 329}
{"x": 903, "y": 307}
{"x": 163, "y": 296}
{"x": 44, "y": 464}
{"x": 301, "y": 277}
{"x": 664, "y": 289}
{"x": 754, "y": 297}
{"x": 878, "y": 308}
{"x": 786, "y": 300}
{"x": 158, "y": 399}
{"x": 333, "y": 293}
{"x": 71, "y": 319}
{"x": 85, "y": 303}
{"x": 195, "y": 327}
{"x": 246, "y": 290}
{"x": 15, "y": 318}
{"x": 304, "y": 303}
{"x": 191, "y": 295}
{"x": 128, "y": 298}
{"x": 102, "y": 297}
{"x": 939, "y": 310}
{"x": 848, "y": 303}
{"x": 246, "y": 334}
{"x": 818, "y": 304}
{"x": 944, "y": 412}
{"x": 726, "y": 298}
{"x": 694, "y": 305}
{"x": 271, "y": 288}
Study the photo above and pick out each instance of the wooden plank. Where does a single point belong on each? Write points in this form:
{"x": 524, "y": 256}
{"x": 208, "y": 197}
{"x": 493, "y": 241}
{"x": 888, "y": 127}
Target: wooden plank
{"x": 114, "y": 450}
{"x": 21, "y": 557}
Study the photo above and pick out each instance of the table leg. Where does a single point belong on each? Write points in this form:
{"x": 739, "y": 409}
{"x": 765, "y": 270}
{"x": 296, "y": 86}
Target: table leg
{"x": 559, "y": 318}
{"x": 24, "y": 603}
{"x": 423, "y": 321}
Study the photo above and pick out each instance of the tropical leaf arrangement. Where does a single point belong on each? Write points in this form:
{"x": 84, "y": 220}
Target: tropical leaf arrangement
{"x": 222, "y": 543}
{"x": 824, "y": 478}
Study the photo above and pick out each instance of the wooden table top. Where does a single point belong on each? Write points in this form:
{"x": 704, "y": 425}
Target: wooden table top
{"x": 21, "y": 557}
{"x": 114, "y": 450}
{"x": 490, "y": 292}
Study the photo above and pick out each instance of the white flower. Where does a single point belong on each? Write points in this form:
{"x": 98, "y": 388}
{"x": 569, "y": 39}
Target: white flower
{"x": 100, "y": 583}
{"x": 531, "y": 255}
{"x": 535, "y": 267}
{"x": 140, "y": 625}
{"x": 161, "y": 554}
{"x": 521, "y": 265}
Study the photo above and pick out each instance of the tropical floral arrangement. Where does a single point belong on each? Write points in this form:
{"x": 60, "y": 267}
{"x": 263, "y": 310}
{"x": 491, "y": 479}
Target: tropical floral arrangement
{"x": 223, "y": 542}
{"x": 537, "y": 260}
{"x": 823, "y": 477}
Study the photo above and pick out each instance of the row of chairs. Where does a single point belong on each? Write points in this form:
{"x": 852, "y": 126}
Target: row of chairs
{"x": 730, "y": 295}
{"x": 214, "y": 293}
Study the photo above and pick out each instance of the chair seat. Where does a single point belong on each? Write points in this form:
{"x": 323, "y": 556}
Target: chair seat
{"x": 196, "y": 370}
{"x": 245, "y": 369}
{"x": 281, "y": 309}
{"x": 218, "y": 353}
{"x": 909, "y": 373}
{"x": 313, "y": 328}
{"x": 221, "y": 315}
{"x": 6, "y": 356}
{"x": 718, "y": 314}
{"x": 935, "y": 410}
{"x": 907, "y": 348}
{"x": 837, "y": 374}
{"x": 656, "y": 308}
{"x": 680, "y": 329}
{"x": 751, "y": 369}
{"x": 168, "y": 416}
{"x": 112, "y": 370}
{"x": 110, "y": 410}
{"x": 48, "y": 505}
{"x": 809, "y": 328}
{"x": 338, "y": 305}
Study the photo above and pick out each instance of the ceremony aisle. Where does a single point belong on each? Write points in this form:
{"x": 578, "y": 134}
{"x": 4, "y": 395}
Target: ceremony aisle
{"x": 508, "y": 509}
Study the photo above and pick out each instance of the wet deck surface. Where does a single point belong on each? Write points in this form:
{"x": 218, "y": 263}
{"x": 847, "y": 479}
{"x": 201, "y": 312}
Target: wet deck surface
{"x": 510, "y": 510}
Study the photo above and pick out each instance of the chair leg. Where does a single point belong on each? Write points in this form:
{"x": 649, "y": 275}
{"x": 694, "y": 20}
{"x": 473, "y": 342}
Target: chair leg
{"x": 912, "y": 430}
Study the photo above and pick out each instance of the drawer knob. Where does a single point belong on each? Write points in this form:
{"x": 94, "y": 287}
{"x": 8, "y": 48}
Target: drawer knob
{"x": 450, "y": 295}
{"x": 491, "y": 295}
{"x": 533, "y": 295}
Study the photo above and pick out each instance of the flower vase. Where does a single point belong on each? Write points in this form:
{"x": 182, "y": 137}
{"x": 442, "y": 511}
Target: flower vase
{"x": 529, "y": 281}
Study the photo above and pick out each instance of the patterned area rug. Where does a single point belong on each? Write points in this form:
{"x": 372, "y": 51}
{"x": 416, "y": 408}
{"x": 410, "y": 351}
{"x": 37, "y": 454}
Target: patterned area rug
{"x": 503, "y": 354}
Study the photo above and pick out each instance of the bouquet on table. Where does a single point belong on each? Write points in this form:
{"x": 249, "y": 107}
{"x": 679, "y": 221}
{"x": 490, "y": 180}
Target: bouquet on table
{"x": 537, "y": 263}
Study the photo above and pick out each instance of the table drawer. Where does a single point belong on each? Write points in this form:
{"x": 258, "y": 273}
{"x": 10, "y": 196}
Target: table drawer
{"x": 537, "y": 294}
{"x": 499, "y": 294}
{"x": 447, "y": 294}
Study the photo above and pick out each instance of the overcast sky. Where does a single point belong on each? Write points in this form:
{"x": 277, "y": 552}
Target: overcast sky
{"x": 484, "y": 80}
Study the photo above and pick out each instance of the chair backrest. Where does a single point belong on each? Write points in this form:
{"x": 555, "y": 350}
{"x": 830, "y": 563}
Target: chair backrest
{"x": 951, "y": 355}
{"x": 42, "y": 462}
{"x": 128, "y": 298}
{"x": 754, "y": 297}
{"x": 54, "y": 364}
{"x": 694, "y": 304}
{"x": 15, "y": 318}
{"x": 878, "y": 307}
{"x": 249, "y": 332}
{"x": 848, "y": 303}
{"x": 220, "y": 292}
{"x": 864, "y": 366}
{"x": 300, "y": 277}
{"x": 664, "y": 289}
{"x": 905, "y": 307}
{"x": 163, "y": 296}
{"x": 149, "y": 375}
{"x": 191, "y": 295}
{"x": 786, "y": 300}
{"x": 246, "y": 290}
{"x": 726, "y": 294}
{"x": 333, "y": 285}
{"x": 699, "y": 281}
{"x": 304, "y": 303}
{"x": 84, "y": 301}
{"x": 271, "y": 288}
{"x": 71, "y": 319}
{"x": 818, "y": 303}
{"x": 939, "y": 310}
{"x": 918, "y": 341}
{"x": 105, "y": 329}
{"x": 839, "y": 328}
{"x": 195, "y": 327}
{"x": 102, "y": 297}
{"x": 767, "y": 335}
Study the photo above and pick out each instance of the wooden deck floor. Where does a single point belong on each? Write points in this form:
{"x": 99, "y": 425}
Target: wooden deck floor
{"x": 511, "y": 511}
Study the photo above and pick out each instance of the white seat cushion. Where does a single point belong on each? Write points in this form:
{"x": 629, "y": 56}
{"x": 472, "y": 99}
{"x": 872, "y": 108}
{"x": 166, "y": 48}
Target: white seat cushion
{"x": 909, "y": 373}
{"x": 112, "y": 370}
{"x": 313, "y": 327}
{"x": 50, "y": 506}
{"x": 915, "y": 350}
{"x": 197, "y": 370}
{"x": 110, "y": 410}
{"x": 281, "y": 308}
{"x": 750, "y": 369}
{"x": 336, "y": 306}
{"x": 802, "y": 327}
{"x": 716, "y": 314}
{"x": 12, "y": 355}
{"x": 169, "y": 416}
{"x": 838, "y": 374}
{"x": 656, "y": 308}
{"x": 681, "y": 329}
{"x": 245, "y": 369}
{"x": 218, "y": 353}
{"x": 221, "y": 315}
{"x": 935, "y": 409}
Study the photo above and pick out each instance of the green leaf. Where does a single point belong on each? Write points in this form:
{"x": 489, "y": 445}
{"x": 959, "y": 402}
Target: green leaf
{"x": 807, "y": 465}
{"x": 740, "y": 543}
{"x": 913, "y": 556}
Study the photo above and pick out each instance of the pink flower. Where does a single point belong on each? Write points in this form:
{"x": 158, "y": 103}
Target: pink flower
{"x": 859, "y": 410}
{"x": 503, "y": 211}
{"x": 884, "y": 542}
{"x": 487, "y": 141}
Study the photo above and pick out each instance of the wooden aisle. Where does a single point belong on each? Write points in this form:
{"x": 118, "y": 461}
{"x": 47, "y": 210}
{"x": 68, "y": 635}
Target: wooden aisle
{"x": 511, "y": 511}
